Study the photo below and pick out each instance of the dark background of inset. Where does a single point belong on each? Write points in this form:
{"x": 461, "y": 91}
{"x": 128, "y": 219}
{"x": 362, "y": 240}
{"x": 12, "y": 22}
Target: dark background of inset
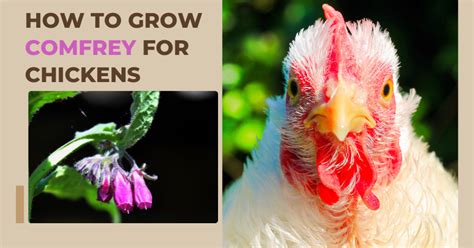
{"x": 180, "y": 147}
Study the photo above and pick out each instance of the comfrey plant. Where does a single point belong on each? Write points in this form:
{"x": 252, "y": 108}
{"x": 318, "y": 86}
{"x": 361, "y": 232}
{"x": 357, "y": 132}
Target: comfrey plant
{"x": 111, "y": 173}
{"x": 112, "y": 180}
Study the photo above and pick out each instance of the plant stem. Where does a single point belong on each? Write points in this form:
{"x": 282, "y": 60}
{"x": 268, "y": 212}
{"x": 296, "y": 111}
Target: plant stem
{"x": 57, "y": 156}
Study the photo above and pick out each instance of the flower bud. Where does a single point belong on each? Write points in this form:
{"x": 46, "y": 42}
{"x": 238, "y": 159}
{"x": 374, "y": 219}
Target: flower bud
{"x": 105, "y": 191}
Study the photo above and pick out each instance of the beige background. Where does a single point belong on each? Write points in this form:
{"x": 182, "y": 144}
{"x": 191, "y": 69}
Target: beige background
{"x": 201, "y": 70}
{"x": 466, "y": 123}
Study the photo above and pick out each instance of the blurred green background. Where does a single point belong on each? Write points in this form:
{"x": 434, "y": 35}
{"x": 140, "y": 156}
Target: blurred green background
{"x": 256, "y": 39}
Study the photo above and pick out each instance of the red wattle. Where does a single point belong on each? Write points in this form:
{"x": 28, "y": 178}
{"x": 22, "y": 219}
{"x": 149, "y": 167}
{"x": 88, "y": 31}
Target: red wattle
{"x": 333, "y": 181}
{"x": 326, "y": 194}
{"x": 367, "y": 179}
{"x": 329, "y": 184}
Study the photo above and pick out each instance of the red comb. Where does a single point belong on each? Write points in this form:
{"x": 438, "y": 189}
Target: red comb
{"x": 331, "y": 13}
{"x": 340, "y": 56}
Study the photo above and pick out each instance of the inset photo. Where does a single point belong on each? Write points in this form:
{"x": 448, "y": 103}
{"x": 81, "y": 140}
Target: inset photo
{"x": 116, "y": 156}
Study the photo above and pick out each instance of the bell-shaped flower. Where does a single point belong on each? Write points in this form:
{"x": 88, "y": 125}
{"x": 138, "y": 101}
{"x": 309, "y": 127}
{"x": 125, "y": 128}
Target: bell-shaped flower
{"x": 141, "y": 193}
{"x": 122, "y": 191}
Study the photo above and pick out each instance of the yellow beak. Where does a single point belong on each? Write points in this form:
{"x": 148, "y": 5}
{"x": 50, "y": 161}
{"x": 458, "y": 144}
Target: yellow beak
{"x": 340, "y": 115}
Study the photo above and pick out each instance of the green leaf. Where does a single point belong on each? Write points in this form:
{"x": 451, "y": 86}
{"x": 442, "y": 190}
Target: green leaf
{"x": 101, "y": 128}
{"x": 96, "y": 134}
{"x": 37, "y": 99}
{"x": 66, "y": 183}
{"x": 143, "y": 110}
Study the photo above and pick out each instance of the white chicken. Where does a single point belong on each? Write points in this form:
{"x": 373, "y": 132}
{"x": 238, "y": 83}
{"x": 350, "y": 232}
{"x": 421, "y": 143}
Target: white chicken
{"x": 339, "y": 164}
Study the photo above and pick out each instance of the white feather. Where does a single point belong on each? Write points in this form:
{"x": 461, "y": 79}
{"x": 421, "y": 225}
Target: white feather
{"x": 418, "y": 208}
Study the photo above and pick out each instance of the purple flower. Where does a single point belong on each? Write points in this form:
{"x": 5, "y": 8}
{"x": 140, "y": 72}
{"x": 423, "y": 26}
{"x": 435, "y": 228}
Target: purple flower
{"x": 91, "y": 168}
{"x": 95, "y": 170}
{"x": 105, "y": 191}
{"x": 123, "y": 192}
{"x": 141, "y": 193}
{"x": 84, "y": 166}
{"x": 81, "y": 164}
{"x": 108, "y": 174}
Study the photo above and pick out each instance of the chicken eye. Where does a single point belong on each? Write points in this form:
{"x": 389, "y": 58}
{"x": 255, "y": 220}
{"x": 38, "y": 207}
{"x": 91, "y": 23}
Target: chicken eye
{"x": 387, "y": 90}
{"x": 293, "y": 89}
